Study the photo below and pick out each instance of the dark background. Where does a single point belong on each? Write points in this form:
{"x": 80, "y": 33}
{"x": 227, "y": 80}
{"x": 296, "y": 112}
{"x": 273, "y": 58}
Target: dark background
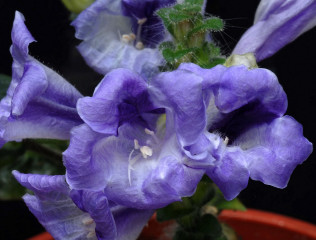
{"x": 295, "y": 66}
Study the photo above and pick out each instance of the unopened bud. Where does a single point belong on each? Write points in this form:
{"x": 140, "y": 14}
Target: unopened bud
{"x": 248, "y": 59}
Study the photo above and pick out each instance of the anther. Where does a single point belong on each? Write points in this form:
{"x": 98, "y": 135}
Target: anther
{"x": 149, "y": 132}
{"x": 87, "y": 221}
{"x": 126, "y": 38}
{"x": 139, "y": 45}
{"x": 226, "y": 140}
{"x": 146, "y": 151}
{"x": 141, "y": 21}
{"x": 132, "y": 36}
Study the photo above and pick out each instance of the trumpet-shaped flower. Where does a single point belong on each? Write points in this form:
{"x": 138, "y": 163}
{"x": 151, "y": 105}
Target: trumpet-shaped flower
{"x": 132, "y": 155}
{"x": 79, "y": 215}
{"x": 231, "y": 124}
{"x": 121, "y": 33}
{"x": 39, "y": 103}
{"x": 277, "y": 23}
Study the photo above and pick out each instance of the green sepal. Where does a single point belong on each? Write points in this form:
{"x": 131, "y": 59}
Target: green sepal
{"x": 194, "y": 2}
{"x": 178, "y": 16}
{"x": 213, "y": 50}
{"x": 211, "y": 24}
{"x": 164, "y": 13}
{"x": 4, "y": 84}
{"x": 173, "y": 56}
{"x": 221, "y": 203}
{"x": 167, "y": 45}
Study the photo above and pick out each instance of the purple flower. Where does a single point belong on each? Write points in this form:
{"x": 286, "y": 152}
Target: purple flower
{"x": 277, "y": 23}
{"x": 126, "y": 149}
{"x": 39, "y": 103}
{"x": 123, "y": 33}
{"x": 79, "y": 215}
{"x": 229, "y": 121}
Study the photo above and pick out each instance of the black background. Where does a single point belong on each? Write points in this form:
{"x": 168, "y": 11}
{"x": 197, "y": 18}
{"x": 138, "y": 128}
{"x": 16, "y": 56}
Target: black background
{"x": 295, "y": 66}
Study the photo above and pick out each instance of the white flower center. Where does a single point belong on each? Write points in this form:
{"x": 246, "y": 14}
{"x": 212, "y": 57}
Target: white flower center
{"x": 146, "y": 151}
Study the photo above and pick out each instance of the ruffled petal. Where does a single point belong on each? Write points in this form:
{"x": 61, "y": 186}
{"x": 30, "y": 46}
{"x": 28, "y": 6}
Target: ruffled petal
{"x": 39, "y": 102}
{"x": 184, "y": 100}
{"x": 101, "y": 30}
{"x": 277, "y": 23}
{"x": 54, "y": 208}
{"x": 113, "y": 165}
{"x": 123, "y": 94}
{"x": 240, "y": 86}
{"x": 130, "y": 222}
{"x": 274, "y": 149}
{"x": 83, "y": 171}
{"x": 230, "y": 173}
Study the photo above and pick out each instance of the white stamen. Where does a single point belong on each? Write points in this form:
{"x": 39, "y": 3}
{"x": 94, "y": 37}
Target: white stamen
{"x": 136, "y": 144}
{"x": 132, "y": 36}
{"x": 146, "y": 151}
{"x": 149, "y": 132}
{"x": 126, "y": 38}
{"x": 87, "y": 221}
{"x": 226, "y": 140}
{"x": 139, "y": 45}
{"x": 141, "y": 21}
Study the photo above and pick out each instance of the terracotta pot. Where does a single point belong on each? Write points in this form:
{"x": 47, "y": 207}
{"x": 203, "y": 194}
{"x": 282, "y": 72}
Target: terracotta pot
{"x": 259, "y": 225}
{"x": 250, "y": 225}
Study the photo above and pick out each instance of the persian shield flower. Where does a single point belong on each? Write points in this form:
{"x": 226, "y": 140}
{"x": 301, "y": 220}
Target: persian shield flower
{"x": 121, "y": 33}
{"x": 277, "y": 23}
{"x": 132, "y": 154}
{"x": 39, "y": 102}
{"x": 232, "y": 124}
{"x": 79, "y": 215}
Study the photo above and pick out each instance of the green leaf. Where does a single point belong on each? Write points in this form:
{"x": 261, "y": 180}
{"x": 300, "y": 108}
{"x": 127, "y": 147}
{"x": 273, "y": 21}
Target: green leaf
{"x": 209, "y": 225}
{"x": 204, "y": 193}
{"x": 175, "y": 210}
{"x": 4, "y": 84}
{"x": 18, "y": 156}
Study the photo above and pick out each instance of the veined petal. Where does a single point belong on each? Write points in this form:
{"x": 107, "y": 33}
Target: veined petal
{"x": 79, "y": 215}
{"x": 54, "y": 208}
{"x": 121, "y": 96}
{"x": 240, "y": 86}
{"x": 185, "y": 99}
{"x": 83, "y": 170}
{"x": 21, "y": 38}
{"x": 231, "y": 172}
{"x": 274, "y": 149}
{"x": 277, "y": 23}
{"x": 101, "y": 30}
{"x": 132, "y": 169}
{"x": 39, "y": 102}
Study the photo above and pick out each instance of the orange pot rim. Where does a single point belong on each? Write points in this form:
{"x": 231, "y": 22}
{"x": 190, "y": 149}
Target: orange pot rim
{"x": 270, "y": 219}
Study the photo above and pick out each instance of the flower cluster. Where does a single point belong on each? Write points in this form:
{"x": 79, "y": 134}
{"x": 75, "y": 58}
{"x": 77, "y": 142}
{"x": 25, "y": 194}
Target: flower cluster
{"x": 146, "y": 138}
